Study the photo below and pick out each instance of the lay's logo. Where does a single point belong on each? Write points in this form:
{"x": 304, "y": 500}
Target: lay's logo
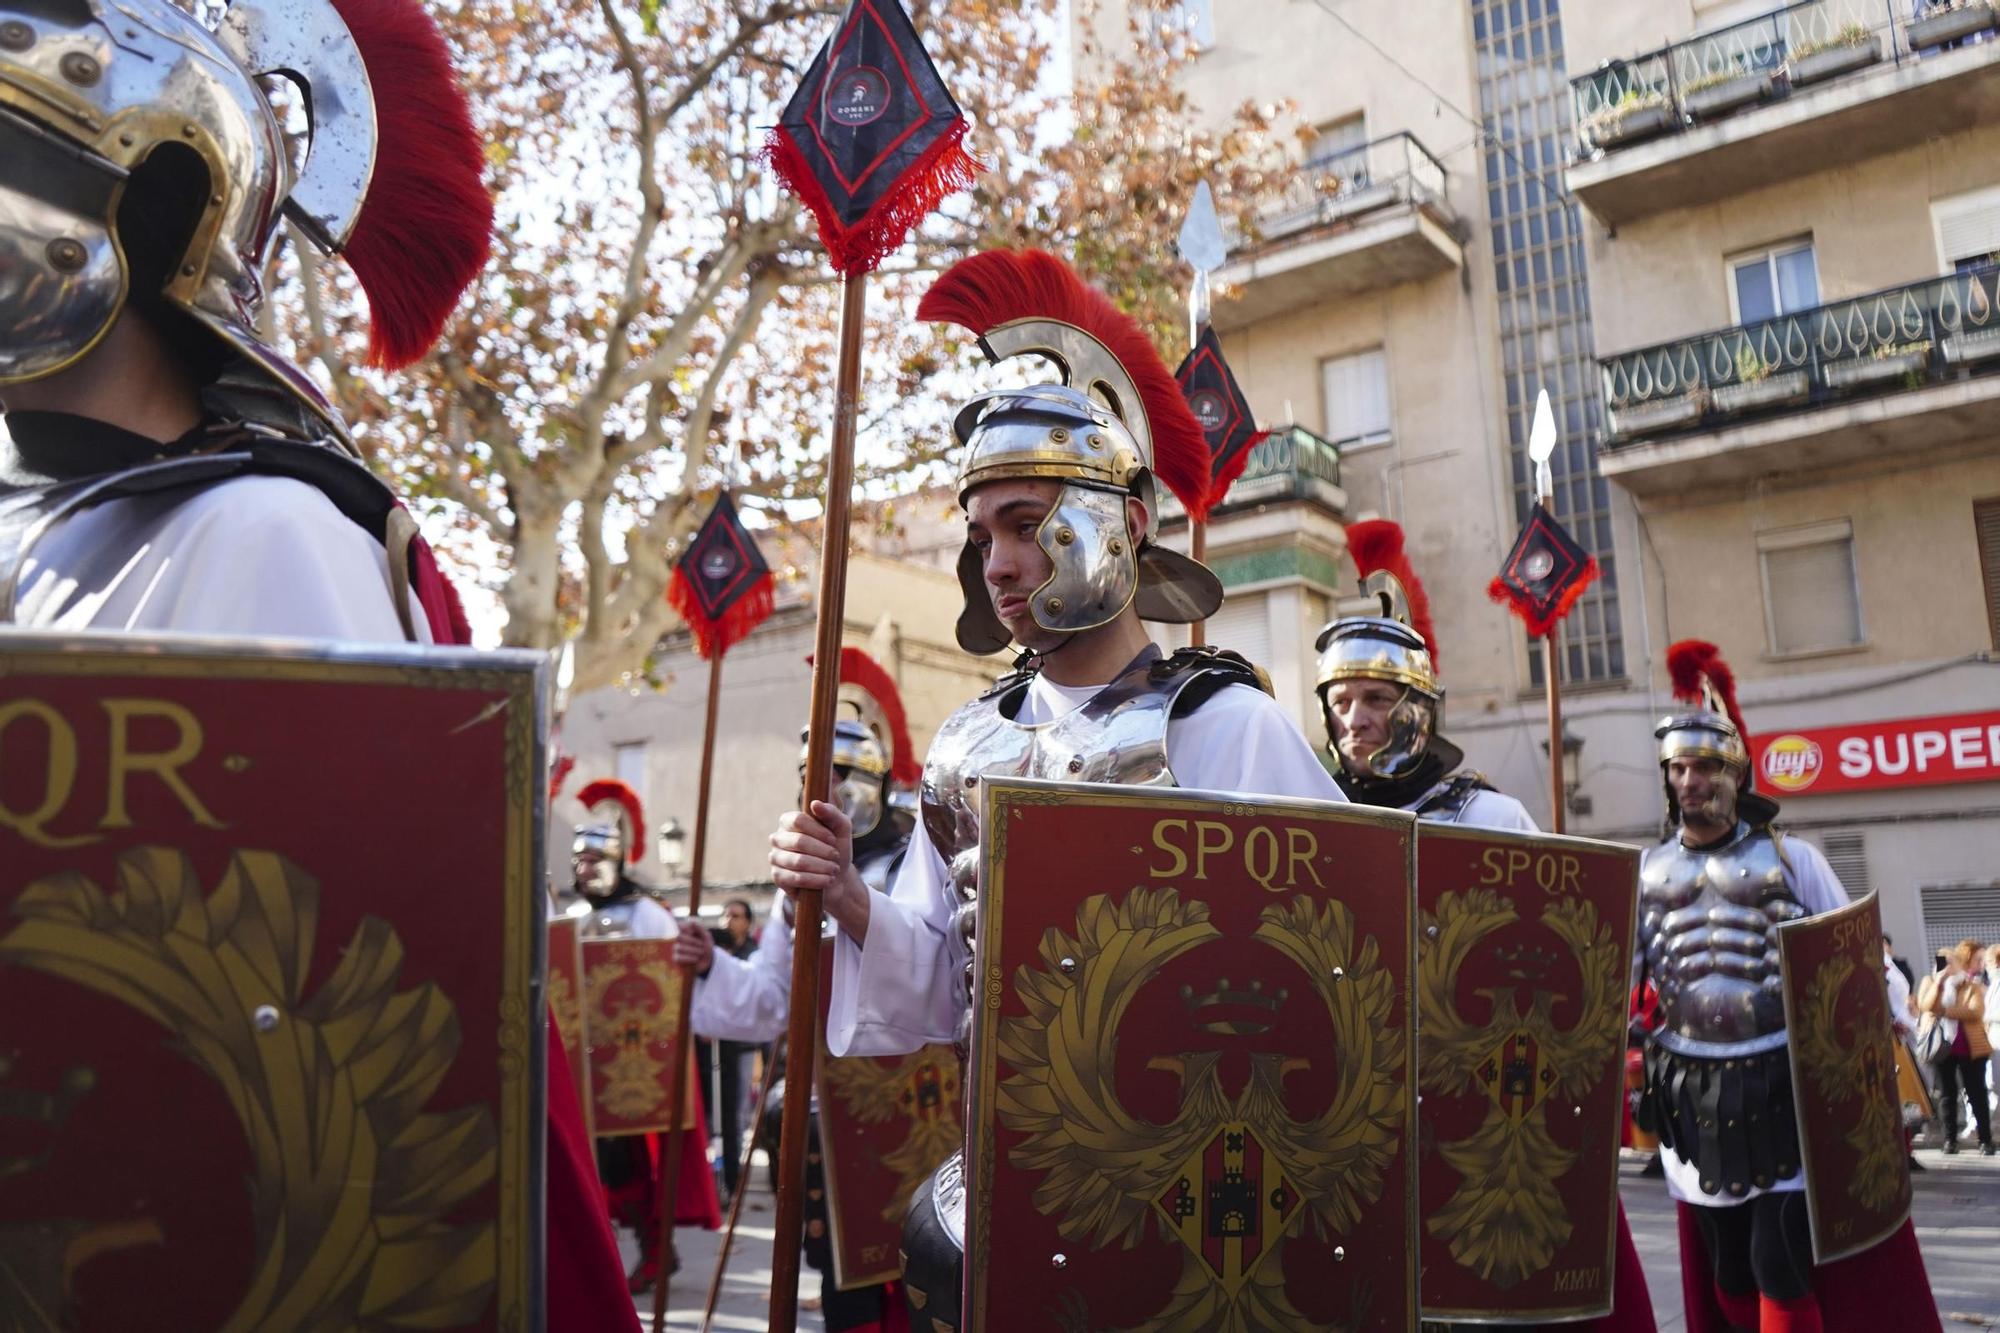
{"x": 1792, "y": 763}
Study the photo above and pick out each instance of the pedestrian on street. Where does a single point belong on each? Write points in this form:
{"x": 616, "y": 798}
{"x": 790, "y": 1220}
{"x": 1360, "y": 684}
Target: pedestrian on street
{"x": 1956, "y": 1000}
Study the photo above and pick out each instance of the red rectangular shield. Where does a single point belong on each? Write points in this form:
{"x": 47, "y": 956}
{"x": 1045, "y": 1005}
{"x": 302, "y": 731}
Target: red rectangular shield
{"x": 1524, "y": 949}
{"x": 631, "y": 1011}
{"x": 1191, "y": 1055}
{"x": 885, "y": 1122}
{"x": 276, "y": 920}
{"x": 1844, "y": 1079}
{"x": 566, "y": 1004}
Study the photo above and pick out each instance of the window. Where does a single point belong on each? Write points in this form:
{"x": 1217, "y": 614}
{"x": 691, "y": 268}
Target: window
{"x": 1337, "y": 140}
{"x": 1954, "y": 912}
{"x": 1196, "y": 18}
{"x": 1357, "y": 399}
{"x": 1847, "y": 856}
{"x": 1769, "y": 283}
{"x": 1968, "y": 230}
{"x": 1986, "y": 529}
{"x": 628, "y": 764}
{"x": 1811, "y": 600}
{"x": 1242, "y": 625}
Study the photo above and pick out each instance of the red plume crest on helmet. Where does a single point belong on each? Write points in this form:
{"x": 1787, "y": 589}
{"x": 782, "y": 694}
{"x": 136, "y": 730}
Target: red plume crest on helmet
{"x": 427, "y": 222}
{"x": 1693, "y": 661}
{"x": 994, "y": 287}
{"x": 865, "y": 673}
{"x": 1377, "y": 544}
{"x": 606, "y": 791}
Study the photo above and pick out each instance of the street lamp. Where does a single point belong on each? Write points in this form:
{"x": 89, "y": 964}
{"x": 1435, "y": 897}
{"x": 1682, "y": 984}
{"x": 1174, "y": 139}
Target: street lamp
{"x": 1572, "y": 770}
{"x": 673, "y": 846}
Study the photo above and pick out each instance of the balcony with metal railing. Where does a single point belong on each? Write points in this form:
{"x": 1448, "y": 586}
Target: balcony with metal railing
{"x": 1362, "y": 219}
{"x": 1805, "y": 87}
{"x": 1901, "y": 370}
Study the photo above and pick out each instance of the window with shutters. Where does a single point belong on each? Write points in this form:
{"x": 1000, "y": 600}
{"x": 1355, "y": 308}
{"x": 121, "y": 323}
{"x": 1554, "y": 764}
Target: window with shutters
{"x": 1986, "y": 526}
{"x": 1967, "y": 227}
{"x": 1954, "y": 912}
{"x": 1812, "y": 602}
{"x": 1357, "y": 399}
{"x": 1847, "y": 855}
{"x": 1243, "y": 625}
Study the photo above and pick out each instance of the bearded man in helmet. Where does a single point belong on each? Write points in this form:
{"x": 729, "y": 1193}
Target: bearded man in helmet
{"x": 1718, "y": 1075}
{"x": 1059, "y": 483}
{"x": 162, "y": 468}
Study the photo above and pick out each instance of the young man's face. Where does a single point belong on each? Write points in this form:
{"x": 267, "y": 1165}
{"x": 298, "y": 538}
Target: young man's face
{"x": 1360, "y": 710}
{"x": 1001, "y": 520}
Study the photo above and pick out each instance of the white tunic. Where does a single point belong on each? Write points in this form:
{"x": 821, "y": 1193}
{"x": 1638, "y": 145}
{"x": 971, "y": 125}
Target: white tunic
{"x": 901, "y": 992}
{"x": 1818, "y": 890}
{"x": 260, "y": 556}
{"x": 745, "y": 999}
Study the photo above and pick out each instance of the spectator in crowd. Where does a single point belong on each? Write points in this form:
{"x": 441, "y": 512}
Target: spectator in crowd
{"x": 735, "y": 938}
{"x": 1900, "y": 964}
{"x": 1955, "y": 999}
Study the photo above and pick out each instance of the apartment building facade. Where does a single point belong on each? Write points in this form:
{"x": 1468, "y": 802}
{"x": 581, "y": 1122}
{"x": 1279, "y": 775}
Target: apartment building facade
{"x": 1747, "y": 249}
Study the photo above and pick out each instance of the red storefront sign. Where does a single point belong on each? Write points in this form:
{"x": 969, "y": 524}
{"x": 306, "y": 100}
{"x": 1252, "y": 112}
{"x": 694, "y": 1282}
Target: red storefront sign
{"x": 1863, "y": 756}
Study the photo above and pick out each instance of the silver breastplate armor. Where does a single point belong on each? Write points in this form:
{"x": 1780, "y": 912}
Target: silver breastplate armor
{"x": 1708, "y": 926}
{"x": 1118, "y": 735}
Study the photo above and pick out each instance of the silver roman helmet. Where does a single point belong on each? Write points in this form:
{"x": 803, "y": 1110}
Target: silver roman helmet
{"x": 1388, "y": 637}
{"x": 107, "y": 103}
{"x": 872, "y": 753}
{"x": 1711, "y": 728}
{"x": 1115, "y": 426}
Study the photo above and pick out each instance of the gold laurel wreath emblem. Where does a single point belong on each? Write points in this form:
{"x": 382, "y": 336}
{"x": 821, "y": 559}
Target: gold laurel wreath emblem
{"x": 565, "y": 1009}
{"x": 1507, "y": 1219}
{"x": 1104, "y": 1170}
{"x": 351, "y": 1178}
{"x": 1840, "y": 1074}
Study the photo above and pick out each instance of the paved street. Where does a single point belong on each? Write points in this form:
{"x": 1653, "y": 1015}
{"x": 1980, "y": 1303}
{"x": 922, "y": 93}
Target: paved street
{"x": 1957, "y": 1214}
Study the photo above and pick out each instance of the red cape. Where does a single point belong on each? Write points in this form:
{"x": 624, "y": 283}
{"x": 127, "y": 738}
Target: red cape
{"x": 586, "y": 1277}
{"x": 1880, "y": 1288}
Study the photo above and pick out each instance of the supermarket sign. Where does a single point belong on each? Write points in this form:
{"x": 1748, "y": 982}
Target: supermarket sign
{"x": 1865, "y": 756}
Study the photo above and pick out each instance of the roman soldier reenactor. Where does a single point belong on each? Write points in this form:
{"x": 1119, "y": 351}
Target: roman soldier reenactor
{"x": 1718, "y": 1075}
{"x": 1381, "y": 698}
{"x": 1060, "y": 487}
{"x": 163, "y": 468}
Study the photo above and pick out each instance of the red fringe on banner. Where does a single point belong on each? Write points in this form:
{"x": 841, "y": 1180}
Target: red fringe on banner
{"x": 1524, "y": 608}
{"x": 944, "y": 169}
{"x": 1223, "y": 480}
{"x": 719, "y": 636}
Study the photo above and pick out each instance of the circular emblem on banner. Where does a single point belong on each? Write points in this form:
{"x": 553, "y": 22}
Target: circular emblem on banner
{"x": 1538, "y": 566}
{"x": 857, "y": 97}
{"x": 718, "y": 563}
{"x": 1791, "y": 763}
{"x": 1209, "y": 409}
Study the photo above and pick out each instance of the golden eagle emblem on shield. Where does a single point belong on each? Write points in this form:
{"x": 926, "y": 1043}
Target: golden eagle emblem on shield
{"x": 1507, "y": 1219}
{"x": 1232, "y": 1175}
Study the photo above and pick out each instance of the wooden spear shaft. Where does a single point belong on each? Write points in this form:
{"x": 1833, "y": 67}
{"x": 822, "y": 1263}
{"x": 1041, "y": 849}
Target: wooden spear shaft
{"x": 802, "y": 1038}
{"x": 1198, "y": 548}
{"x": 670, "y": 1156}
{"x": 1552, "y": 674}
{"x": 742, "y": 1181}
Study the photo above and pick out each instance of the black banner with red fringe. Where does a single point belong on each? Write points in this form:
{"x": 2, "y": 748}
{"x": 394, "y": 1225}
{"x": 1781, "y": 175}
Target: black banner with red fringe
{"x": 872, "y": 140}
{"x": 721, "y": 584}
{"x": 1217, "y": 403}
{"x": 1544, "y": 574}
